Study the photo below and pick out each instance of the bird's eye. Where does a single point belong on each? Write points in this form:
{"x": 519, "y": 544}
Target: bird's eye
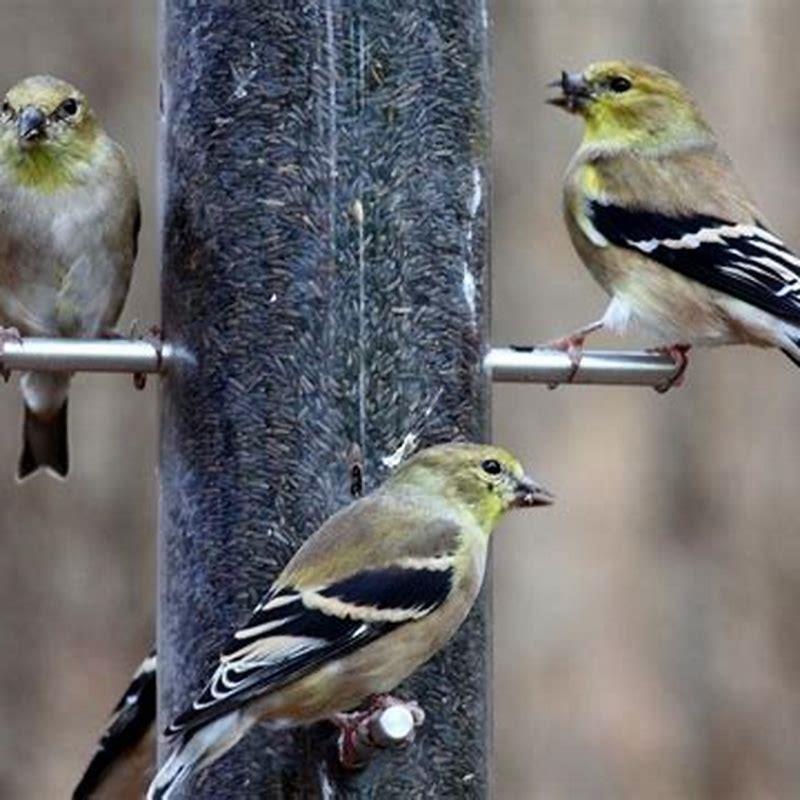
{"x": 619, "y": 84}
{"x": 491, "y": 466}
{"x": 7, "y": 110}
{"x": 69, "y": 107}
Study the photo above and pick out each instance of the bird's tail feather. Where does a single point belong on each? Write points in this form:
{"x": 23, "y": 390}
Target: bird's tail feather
{"x": 44, "y": 443}
{"x": 196, "y": 750}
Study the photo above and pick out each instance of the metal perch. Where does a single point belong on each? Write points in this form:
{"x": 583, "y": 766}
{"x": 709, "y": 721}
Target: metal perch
{"x": 599, "y": 367}
{"x": 504, "y": 364}
{"x": 85, "y": 355}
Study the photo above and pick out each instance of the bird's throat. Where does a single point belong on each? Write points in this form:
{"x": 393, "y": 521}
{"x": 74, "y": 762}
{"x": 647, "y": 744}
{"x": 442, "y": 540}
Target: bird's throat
{"x": 45, "y": 168}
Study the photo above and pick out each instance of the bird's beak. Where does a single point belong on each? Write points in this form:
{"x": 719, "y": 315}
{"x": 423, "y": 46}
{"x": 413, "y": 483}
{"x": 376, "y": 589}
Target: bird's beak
{"x": 31, "y": 124}
{"x": 528, "y": 493}
{"x": 575, "y": 91}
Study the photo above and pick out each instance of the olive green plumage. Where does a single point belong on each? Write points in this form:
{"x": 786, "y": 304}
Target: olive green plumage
{"x": 369, "y": 597}
{"x": 657, "y": 213}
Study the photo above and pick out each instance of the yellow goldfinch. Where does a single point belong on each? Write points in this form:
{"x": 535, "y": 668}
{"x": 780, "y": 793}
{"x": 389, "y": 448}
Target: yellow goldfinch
{"x": 369, "y": 597}
{"x": 124, "y": 761}
{"x": 662, "y": 221}
{"x": 69, "y": 220}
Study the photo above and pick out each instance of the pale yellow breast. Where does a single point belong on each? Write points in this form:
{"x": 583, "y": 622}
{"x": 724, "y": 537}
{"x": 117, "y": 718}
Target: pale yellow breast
{"x": 669, "y": 307}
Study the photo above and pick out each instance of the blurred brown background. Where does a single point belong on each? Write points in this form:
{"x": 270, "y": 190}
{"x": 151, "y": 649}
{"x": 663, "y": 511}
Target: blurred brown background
{"x": 647, "y": 642}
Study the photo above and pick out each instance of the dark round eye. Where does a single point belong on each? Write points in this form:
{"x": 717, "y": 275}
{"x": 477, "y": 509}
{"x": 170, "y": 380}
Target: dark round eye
{"x": 70, "y": 106}
{"x": 619, "y": 84}
{"x": 491, "y": 466}
{"x": 6, "y": 108}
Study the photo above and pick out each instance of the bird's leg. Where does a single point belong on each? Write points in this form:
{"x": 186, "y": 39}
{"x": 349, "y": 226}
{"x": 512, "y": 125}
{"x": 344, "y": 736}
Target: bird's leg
{"x": 387, "y": 721}
{"x": 7, "y": 335}
{"x": 679, "y": 353}
{"x": 349, "y": 724}
{"x": 572, "y": 344}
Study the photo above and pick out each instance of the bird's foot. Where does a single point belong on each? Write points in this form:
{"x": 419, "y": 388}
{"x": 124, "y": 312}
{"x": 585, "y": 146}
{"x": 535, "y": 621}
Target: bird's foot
{"x": 7, "y": 335}
{"x": 679, "y": 353}
{"x": 154, "y": 337}
{"x": 10, "y": 335}
{"x": 386, "y": 722}
{"x": 572, "y": 345}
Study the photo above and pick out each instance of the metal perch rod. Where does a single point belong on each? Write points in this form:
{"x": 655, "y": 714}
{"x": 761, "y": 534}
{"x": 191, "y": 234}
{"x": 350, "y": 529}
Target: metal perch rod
{"x": 505, "y": 364}
{"x": 85, "y": 355}
{"x": 599, "y": 367}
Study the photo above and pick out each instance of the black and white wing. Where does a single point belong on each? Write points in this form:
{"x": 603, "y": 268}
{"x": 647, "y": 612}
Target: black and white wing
{"x": 296, "y": 630}
{"x": 745, "y": 261}
{"x": 130, "y": 720}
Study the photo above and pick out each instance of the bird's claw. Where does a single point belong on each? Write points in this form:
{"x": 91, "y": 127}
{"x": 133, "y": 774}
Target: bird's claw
{"x": 155, "y": 337}
{"x": 152, "y": 336}
{"x": 363, "y": 731}
{"x": 679, "y": 353}
{"x": 572, "y": 345}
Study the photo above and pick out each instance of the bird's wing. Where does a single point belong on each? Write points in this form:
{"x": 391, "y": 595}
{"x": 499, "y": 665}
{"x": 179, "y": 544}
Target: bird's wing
{"x": 301, "y": 626}
{"x": 131, "y": 719}
{"x": 743, "y": 260}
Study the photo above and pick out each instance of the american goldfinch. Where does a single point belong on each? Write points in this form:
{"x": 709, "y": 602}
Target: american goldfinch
{"x": 124, "y": 761}
{"x": 662, "y": 221}
{"x": 367, "y": 599}
{"x": 69, "y": 220}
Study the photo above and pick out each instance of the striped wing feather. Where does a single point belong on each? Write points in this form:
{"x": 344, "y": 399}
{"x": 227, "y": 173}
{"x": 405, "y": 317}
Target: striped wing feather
{"x": 743, "y": 260}
{"x": 293, "y": 632}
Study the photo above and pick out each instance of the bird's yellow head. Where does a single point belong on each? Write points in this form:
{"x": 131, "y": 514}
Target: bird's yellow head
{"x": 47, "y": 132}
{"x": 482, "y": 479}
{"x": 631, "y": 105}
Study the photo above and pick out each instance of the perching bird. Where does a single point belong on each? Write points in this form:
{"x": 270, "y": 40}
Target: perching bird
{"x": 662, "y": 221}
{"x": 69, "y": 221}
{"x": 124, "y": 761}
{"x": 367, "y": 599}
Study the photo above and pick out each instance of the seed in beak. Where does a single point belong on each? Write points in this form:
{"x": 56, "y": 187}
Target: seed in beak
{"x": 31, "y": 123}
{"x": 530, "y": 494}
